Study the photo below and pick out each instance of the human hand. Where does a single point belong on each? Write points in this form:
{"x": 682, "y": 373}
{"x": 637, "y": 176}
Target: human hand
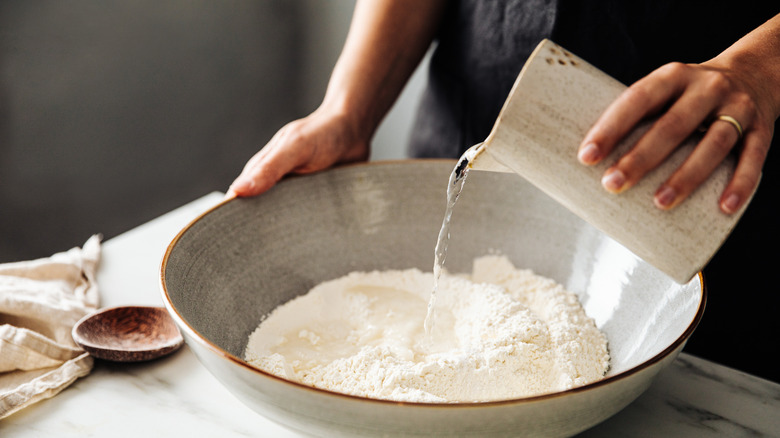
{"x": 384, "y": 45}
{"x": 307, "y": 145}
{"x": 687, "y": 97}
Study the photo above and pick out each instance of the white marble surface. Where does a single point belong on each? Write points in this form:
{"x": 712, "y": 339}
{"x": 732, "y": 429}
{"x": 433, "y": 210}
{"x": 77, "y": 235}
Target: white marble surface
{"x": 176, "y": 396}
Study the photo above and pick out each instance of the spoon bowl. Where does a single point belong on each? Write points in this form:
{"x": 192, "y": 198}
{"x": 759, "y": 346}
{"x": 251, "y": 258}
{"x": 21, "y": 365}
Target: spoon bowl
{"x": 128, "y": 333}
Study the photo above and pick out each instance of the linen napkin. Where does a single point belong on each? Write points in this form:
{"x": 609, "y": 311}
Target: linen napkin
{"x": 40, "y": 302}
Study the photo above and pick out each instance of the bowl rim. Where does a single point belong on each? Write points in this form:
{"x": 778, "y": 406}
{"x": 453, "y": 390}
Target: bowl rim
{"x": 194, "y": 334}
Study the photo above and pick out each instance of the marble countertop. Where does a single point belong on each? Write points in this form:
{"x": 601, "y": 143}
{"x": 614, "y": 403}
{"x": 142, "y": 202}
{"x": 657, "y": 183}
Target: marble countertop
{"x": 177, "y": 396}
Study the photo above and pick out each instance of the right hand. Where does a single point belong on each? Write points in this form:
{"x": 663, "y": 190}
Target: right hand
{"x": 307, "y": 145}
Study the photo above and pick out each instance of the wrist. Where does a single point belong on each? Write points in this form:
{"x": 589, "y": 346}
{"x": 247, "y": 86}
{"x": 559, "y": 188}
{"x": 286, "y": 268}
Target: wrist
{"x": 357, "y": 115}
{"x": 755, "y": 58}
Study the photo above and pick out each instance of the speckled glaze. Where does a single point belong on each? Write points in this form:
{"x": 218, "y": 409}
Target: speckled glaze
{"x": 556, "y": 99}
{"x": 240, "y": 260}
{"x": 128, "y": 334}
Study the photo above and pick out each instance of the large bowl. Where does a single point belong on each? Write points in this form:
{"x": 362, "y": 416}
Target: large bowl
{"x": 233, "y": 265}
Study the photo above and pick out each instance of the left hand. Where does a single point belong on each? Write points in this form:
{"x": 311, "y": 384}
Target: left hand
{"x": 687, "y": 96}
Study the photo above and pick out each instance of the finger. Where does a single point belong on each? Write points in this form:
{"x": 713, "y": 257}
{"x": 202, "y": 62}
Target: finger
{"x": 747, "y": 173}
{"x": 645, "y": 97}
{"x": 663, "y": 137}
{"x": 708, "y": 154}
{"x": 248, "y": 182}
{"x": 265, "y": 169}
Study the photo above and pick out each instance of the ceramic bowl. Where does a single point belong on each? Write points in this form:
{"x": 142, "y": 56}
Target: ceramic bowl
{"x": 233, "y": 265}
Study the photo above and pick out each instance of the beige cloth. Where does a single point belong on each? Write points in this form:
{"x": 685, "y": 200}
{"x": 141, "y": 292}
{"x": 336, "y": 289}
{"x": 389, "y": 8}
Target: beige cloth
{"x": 40, "y": 302}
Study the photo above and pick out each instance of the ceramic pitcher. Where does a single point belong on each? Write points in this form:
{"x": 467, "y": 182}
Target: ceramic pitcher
{"x": 555, "y": 100}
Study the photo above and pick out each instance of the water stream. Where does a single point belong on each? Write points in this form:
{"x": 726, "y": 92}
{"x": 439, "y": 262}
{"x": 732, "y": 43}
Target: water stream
{"x": 454, "y": 188}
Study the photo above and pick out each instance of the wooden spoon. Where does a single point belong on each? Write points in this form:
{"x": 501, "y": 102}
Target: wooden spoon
{"x": 128, "y": 333}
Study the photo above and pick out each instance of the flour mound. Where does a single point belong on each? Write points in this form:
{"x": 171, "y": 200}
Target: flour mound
{"x": 500, "y": 333}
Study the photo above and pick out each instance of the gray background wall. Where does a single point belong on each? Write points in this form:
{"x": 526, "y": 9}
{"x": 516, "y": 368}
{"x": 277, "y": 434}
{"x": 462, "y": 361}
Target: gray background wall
{"x": 115, "y": 112}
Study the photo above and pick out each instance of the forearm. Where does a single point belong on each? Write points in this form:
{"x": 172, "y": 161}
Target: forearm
{"x": 386, "y": 41}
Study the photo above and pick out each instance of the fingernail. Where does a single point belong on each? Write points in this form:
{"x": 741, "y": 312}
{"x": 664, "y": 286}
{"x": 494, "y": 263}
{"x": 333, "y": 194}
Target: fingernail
{"x": 613, "y": 180}
{"x": 730, "y": 204}
{"x": 588, "y": 154}
{"x": 665, "y": 197}
{"x": 242, "y": 185}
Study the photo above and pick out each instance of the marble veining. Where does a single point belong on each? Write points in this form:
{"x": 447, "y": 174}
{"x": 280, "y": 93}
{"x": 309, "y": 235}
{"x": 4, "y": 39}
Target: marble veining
{"x": 710, "y": 421}
{"x": 701, "y": 370}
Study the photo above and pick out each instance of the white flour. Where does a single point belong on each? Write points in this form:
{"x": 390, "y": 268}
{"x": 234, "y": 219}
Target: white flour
{"x": 501, "y": 333}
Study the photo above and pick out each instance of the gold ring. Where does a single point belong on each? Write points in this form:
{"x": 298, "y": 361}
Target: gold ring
{"x": 733, "y": 123}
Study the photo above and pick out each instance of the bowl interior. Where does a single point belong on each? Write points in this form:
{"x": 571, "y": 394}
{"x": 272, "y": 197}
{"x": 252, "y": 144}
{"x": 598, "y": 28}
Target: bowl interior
{"x": 235, "y": 264}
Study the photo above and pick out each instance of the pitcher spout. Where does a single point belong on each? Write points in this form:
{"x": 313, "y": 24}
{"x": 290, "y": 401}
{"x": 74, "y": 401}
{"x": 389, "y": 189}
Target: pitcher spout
{"x": 480, "y": 159}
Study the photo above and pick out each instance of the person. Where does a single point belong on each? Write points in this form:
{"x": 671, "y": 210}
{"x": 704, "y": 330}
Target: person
{"x": 690, "y": 64}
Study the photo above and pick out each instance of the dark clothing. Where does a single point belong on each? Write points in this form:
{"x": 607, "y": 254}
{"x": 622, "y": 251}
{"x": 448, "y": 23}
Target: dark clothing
{"x": 482, "y": 46}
